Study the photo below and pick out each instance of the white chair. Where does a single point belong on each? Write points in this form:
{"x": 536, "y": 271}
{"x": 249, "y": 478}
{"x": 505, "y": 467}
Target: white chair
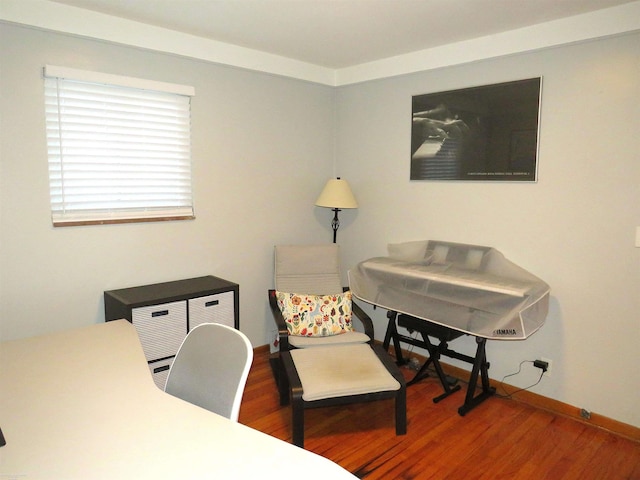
{"x": 211, "y": 368}
{"x": 321, "y": 371}
{"x": 310, "y": 269}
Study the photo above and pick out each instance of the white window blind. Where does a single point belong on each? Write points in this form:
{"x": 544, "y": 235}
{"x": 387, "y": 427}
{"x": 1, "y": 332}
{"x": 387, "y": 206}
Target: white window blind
{"x": 119, "y": 148}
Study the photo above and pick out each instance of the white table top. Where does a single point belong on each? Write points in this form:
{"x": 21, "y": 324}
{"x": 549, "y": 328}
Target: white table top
{"x": 82, "y": 405}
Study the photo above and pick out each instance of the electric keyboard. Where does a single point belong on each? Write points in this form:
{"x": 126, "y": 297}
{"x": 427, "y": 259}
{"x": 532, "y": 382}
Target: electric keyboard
{"x": 472, "y": 289}
{"x": 450, "y": 275}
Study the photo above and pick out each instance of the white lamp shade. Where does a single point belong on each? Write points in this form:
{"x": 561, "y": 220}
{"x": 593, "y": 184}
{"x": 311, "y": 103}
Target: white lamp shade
{"x": 337, "y": 194}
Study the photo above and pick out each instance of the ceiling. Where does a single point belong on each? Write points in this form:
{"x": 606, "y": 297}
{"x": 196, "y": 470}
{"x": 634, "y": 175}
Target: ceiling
{"x": 342, "y": 33}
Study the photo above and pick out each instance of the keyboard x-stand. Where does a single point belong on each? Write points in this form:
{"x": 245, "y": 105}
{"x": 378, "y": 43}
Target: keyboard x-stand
{"x": 444, "y": 335}
{"x": 445, "y": 290}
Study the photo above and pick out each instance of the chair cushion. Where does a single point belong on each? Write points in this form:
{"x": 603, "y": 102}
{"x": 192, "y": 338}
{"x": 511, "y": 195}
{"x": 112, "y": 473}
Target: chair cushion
{"x": 343, "y": 339}
{"x": 341, "y": 370}
{"x": 307, "y": 268}
{"x": 316, "y": 315}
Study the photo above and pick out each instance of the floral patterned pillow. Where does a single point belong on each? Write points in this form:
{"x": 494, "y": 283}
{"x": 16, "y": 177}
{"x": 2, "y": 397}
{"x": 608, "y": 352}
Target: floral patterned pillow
{"x": 316, "y": 315}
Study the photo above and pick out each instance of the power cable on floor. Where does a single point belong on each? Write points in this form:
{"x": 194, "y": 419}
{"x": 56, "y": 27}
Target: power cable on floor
{"x": 509, "y": 395}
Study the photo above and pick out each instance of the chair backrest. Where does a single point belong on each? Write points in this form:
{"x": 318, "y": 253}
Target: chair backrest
{"x": 211, "y": 368}
{"x": 310, "y": 269}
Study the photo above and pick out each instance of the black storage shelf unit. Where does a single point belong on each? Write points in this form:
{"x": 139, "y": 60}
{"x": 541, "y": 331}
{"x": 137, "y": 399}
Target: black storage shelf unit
{"x": 119, "y": 303}
{"x": 163, "y": 314}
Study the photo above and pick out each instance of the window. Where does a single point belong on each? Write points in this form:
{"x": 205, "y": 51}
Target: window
{"x": 119, "y": 148}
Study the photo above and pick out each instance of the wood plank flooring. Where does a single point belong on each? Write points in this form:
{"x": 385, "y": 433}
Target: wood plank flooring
{"x": 500, "y": 439}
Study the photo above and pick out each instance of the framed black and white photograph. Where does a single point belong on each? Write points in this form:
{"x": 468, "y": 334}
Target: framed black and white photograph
{"x": 481, "y": 133}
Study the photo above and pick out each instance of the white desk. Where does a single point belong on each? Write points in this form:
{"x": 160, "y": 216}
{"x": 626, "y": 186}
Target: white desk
{"x": 82, "y": 405}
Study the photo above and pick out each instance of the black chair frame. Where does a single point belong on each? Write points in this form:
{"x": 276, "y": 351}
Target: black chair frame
{"x": 290, "y": 386}
{"x": 283, "y": 337}
{"x": 299, "y": 405}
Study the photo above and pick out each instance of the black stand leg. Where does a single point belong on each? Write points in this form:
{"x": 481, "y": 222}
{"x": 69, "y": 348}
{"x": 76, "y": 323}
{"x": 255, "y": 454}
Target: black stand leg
{"x": 392, "y": 334}
{"x": 434, "y": 358}
{"x": 479, "y": 368}
{"x": 479, "y": 362}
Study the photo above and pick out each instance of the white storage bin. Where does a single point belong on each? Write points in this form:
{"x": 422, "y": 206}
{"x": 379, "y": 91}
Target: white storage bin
{"x": 161, "y": 328}
{"x": 160, "y": 371}
{"x": 218, "y": 308}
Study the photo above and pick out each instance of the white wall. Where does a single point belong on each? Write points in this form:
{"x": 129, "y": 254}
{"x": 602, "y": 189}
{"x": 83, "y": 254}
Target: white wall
{"x": 574, "y": 228}
{"x": 262, "y": 151}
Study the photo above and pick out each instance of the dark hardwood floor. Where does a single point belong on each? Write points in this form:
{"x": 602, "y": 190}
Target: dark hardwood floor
{"x": 500, "y": 439}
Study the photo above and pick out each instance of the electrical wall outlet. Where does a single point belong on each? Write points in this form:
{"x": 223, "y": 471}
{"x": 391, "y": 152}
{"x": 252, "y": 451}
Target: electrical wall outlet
{"x": 549, "y": 368}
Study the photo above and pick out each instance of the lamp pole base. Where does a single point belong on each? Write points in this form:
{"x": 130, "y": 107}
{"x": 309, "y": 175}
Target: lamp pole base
{"x": 335, "y": 224}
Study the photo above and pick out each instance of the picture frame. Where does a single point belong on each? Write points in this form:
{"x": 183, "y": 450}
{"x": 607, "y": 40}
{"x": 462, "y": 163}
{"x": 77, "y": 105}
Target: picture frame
{"x": 484, "y": 133}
